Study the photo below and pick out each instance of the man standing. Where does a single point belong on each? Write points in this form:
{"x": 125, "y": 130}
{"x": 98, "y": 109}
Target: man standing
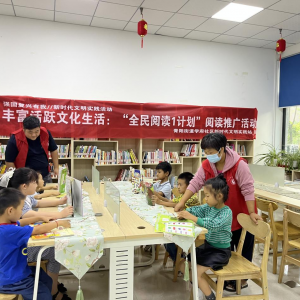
{"x": 29, "y": 147}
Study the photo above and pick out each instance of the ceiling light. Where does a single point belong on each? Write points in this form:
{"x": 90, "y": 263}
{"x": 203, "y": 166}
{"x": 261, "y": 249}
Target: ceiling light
{"x": 237, "y": 12}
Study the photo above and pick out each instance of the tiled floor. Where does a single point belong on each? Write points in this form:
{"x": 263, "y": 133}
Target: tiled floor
{"x": 155, "y": 282}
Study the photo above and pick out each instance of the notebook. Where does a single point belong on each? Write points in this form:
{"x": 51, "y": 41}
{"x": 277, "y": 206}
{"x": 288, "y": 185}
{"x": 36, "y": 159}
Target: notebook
{"x": 161, "y": 220}
{"x": 180, "y": 228}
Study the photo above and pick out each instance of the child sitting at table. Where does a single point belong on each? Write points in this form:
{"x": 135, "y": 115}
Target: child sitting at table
{"x": 163, "y": 187}
{"x": 44, "y": 191}
{"x": 16, "y": 277}
{"x": 217, "y": 218}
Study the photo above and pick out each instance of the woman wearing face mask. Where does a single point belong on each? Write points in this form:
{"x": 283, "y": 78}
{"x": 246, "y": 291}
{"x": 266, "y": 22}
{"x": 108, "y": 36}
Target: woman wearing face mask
{"x": 221, "y": 159}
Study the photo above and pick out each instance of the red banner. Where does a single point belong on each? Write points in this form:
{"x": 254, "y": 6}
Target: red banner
{"x": 109, "y": 119}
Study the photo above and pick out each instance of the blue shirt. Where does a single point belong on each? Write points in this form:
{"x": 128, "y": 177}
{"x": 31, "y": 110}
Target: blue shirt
{"x": 13, "y": 253}
{"x": 36, "y": 156}
{"x": 165, "y": 188}
{"x": 30, "y": 204}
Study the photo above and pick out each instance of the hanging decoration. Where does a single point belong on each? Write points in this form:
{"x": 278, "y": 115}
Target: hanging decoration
{"x": 280, "y": 45}
{"x": 142, "y": 28}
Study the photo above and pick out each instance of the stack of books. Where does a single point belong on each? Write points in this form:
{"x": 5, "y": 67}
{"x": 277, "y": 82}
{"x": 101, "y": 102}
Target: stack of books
{"x": 127, "y": 157}
{"x": 154, "y": 157}
{"x": 85, "y": 151}
{"x": 172, "y": 157}
{"x": 123, "y": 175}
{"x": 189, "y": 150}
{"x": 106, "y": 157}
{"x": 2, "y": 151}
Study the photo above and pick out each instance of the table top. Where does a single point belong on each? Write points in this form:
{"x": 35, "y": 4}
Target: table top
{"x": 131, "y": 225}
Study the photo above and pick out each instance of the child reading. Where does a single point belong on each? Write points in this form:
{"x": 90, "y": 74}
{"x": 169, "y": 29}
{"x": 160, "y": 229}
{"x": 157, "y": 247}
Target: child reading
{"x": 163, "y": 186}
{"x": 217, "y": 218}
{"x": 16, "y": 277}
{"x": 25, "y": 180}
{"x": 44, "y": 191}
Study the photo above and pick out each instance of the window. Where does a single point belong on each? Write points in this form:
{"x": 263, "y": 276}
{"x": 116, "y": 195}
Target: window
{"x": 291, "y": 129}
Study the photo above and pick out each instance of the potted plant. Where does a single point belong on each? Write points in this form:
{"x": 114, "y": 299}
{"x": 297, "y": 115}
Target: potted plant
{"x": 272, "y": 158}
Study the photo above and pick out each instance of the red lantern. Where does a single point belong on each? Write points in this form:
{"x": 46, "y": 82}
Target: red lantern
{"x": 142, "y": 30}
{"x": 280, "y": 45}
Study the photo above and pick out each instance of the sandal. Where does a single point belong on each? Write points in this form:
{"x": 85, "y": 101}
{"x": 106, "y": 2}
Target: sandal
{"x": 61, "y": 288}
{"x": 231, "y": 286}
{"x": 64, "y": 297}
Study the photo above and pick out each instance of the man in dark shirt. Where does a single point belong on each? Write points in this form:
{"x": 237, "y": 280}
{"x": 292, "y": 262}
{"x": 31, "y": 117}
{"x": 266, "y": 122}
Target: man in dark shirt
{"x": 28, "y": 147}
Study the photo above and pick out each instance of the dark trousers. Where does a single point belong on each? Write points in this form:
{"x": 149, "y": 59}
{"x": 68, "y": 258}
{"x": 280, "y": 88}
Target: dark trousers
{"x": 25, "y": 287}
{"x": 172, "y": 250}
{"x": 248, "y": 244}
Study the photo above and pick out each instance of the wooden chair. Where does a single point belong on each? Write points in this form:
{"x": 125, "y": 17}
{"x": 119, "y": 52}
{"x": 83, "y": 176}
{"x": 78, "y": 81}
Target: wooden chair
{"x": 8, "y": 297}
{"x": 269, "y": 207}
{"x": 293, "y": 218}
{"x": 240, "y": 268}
{"x": 43, "y": 264}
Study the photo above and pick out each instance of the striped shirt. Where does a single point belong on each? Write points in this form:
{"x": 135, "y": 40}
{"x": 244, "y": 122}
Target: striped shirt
{"x": 193, "y": 201}
{"x": 216, "y": 221}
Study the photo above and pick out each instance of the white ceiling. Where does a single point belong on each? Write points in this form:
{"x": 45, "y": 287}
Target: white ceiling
{"x": 189, "y": 19}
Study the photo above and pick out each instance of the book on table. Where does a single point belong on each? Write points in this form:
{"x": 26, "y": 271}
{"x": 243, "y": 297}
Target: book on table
{"x": 54, "y": 233}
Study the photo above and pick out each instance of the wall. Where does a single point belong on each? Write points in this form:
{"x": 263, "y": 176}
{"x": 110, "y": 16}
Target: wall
{"x": 56, "y": 60}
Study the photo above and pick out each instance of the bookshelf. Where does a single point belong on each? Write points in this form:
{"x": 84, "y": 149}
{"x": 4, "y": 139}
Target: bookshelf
{"x": 82, "y": 166}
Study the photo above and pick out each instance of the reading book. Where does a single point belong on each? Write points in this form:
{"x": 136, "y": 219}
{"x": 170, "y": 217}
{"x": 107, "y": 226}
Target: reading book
{"x": 180, "y": 228}
{"x": 161, "y": 221}
{"x": 56, "y": 232}
{"x": 149, "y": 196}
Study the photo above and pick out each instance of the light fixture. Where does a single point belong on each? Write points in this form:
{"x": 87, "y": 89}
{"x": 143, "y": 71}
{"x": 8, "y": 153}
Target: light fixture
{"x": 237, "y": 12}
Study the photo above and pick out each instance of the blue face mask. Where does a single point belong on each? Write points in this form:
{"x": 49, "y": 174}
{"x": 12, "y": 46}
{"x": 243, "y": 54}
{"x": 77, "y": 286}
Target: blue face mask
{"x": 214, "y": 158}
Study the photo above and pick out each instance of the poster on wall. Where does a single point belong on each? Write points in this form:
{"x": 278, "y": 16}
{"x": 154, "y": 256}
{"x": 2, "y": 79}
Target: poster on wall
{"x": 112, "y": 119}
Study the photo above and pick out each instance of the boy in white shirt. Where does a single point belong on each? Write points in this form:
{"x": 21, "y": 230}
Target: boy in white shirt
{"x": 163, "y": 186}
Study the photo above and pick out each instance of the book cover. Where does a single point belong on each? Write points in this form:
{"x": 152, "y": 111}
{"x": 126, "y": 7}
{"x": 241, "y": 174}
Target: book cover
{"x": 56, "y": 232}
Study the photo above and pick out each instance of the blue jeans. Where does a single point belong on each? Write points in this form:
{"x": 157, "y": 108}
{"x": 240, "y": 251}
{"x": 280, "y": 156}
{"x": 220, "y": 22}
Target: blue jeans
{"x": 25, "y": 287}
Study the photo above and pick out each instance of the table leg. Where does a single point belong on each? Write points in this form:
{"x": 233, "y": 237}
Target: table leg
{"x": 121, "y": 273}
{"x": 194, "y": 271}
{"x": 37, "y": 271}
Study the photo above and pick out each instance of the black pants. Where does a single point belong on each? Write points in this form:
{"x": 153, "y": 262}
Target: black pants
{"x": 248, "y": 244}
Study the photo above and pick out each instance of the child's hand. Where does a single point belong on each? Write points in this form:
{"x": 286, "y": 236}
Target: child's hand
{"x": 63, "y": 200}
{"x": 154, "y": 199}
{"x": 46, "y": 219}
{"x": 66, "y": 212}
{"x": 54, "y": 187}
{"x": 64, "y": 223}
{"x": 186, "y": 215}
{"x": 55, "y": 193}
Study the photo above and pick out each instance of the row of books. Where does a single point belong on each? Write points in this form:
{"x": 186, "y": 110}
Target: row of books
{"x": 127, "y": 157}
{"x": 172, "y": 157}
{"x": 189, "y": 150}
{"x": 2, "y": 151}
{"x": 241, "y": 150}
{"x": 106, "y": 157}
{"x": 61, "y": 165}
{"x": 123, "y": 175}
{"x": 63, "y": 151}
{"x": 154, "y": 157}
{"x": 149, "y": 173}
{"x": 85, "y": 151}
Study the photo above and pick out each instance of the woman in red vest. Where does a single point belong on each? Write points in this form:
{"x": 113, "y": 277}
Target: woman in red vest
{"x": 221, "y": 159}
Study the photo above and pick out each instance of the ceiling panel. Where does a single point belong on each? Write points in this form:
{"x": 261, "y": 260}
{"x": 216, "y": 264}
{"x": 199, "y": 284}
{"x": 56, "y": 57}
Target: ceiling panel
{"x": 291, "y": 24}
{"x": 293, "y": 38}
{"x": 126, "y": 2}
{"x": 107, "y": 23}
{"x": 227, "y": 39}
{"x": 133, "y": 27}
{"x": 185, "y": 21}
{"x": 216, "y": 26}
{"x": 81, "y": 7}
{"x": 115, "y": 11}
{"x": 254, "y": 43}
{"x": 273, "y": 46}
{"x": 291, "y": 6}
{"x": 5, "y": 2}
{"x": 202, "y": 36}
{"x": 176, "y": 32}
{"x": 272, "y": 34}
{"x": 258, "y": 3}
{"x": 6, "y": 10}
{"x": 34, "y": 13}
{"x": 204, "y": 8}
{"x": 268, "y": 18}
{"x": 154, "y": 17}
{"x": 246, "y": 30}
{"x": 72, "y": 18}
{"x": 166, "y": 5}
{"x": 42, "y": 4}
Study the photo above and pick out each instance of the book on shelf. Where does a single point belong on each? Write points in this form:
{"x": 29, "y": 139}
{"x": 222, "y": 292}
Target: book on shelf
{"x": 54, "y": 233}
{"x": 172, "y": 157}
{"x": 127, "y": 157}
{"x": 241, "y": 150}
{"x": 3, "y": 168}
{"x": 154, "y": 157}
{"x": 149, "y": 173}
{"x": 2, "y": 151}
{"x": 85, "y": 151}
{"x": 106, "y": 157}
{"x": 231, "y": 146}
{"x": 63, "y": 151}
{"x": 189, "y": 150}
{"x": 123, "y": 175}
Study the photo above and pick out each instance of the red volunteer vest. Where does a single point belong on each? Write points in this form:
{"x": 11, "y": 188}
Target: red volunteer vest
{"x": 236, "y": 200}
{"x": 22, "y": 145}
